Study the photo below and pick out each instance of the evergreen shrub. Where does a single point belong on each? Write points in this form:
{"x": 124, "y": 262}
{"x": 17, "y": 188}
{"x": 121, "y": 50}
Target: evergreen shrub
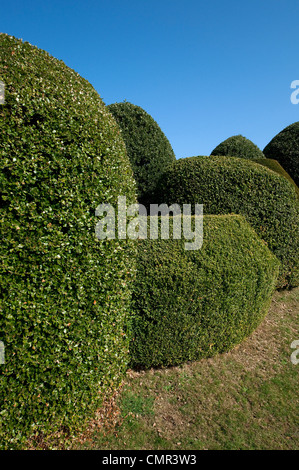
{"x": 238, "y": 146}
{"x": 193, "y": 304}
{"x": 226, "y": 185}
{"x": 148, "y": 148}
{"x": 275, "y": 166}
{"x": 65, "y": 295}
{"x": 284, "y": 148}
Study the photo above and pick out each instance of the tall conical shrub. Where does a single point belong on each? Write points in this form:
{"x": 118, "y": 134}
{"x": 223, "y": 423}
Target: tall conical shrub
{"x": 148, "y": 148}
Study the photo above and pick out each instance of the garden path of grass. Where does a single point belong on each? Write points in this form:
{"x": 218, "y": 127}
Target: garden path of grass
{"x": 244, "y": 399}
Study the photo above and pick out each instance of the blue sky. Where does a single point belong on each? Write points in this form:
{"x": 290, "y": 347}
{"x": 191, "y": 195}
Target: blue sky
{"x": 204, "y": 70}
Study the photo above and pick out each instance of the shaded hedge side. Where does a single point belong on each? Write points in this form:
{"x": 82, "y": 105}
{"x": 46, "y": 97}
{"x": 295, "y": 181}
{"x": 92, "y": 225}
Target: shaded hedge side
{"x": 65, "y": 296}
{"x": 284, "y": 148}
{"x": 148, "y": 148}
{"x": 275, "y": 166}
{"x": 227, "y": 185}
{"x": 189, "y": 305}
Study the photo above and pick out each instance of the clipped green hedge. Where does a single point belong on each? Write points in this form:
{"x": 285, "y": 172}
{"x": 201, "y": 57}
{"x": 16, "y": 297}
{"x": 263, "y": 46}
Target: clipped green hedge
{"x": 234, "y": 185}
{"x": 65, "y": 295}
{"x": 238, "y": 146}
{"x": 275, "y": 166}
{"x": 284, "y": 148}
{"x": 190, "y": 305}
{"x": 148, "y": 148}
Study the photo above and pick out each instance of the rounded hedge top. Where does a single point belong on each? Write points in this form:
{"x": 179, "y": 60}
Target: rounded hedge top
{"x": 284, "y": 148}
{"x": 64, "y": 293}
{"x": 238, "y": 146}
{"x": 191, "y": 304}
{"x": 227, "y": 185}
{"x": 148, "y": 148}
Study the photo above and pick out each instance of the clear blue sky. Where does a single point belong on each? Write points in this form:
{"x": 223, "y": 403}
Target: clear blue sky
{"x": 204, "y": 70}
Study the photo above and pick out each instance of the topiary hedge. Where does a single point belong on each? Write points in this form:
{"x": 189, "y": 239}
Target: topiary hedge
{"x": 148, "y": 148}
{"x": 234, "y": 185}
{"x": 65, "y": 295}
{"x": 275, "y": 166}
{"x": 284, "y": 148}
{"x": 190, "y": 305}
{"x": 238, "y": 146}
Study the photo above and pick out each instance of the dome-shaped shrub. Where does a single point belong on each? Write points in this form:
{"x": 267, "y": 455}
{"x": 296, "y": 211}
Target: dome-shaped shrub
{"x": 148, "y": 148}
{"x": 284, "y": 148}
{"x": 193, "y": 304}
{"x": 227, "y": 185}
{"x": 238, "y": 146}
{"x": 64, "y": 293}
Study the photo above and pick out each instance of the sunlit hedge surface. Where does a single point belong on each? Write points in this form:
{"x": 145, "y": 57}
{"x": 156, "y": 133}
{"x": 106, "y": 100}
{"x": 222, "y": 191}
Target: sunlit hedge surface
{"x": 275, "y": 166}
{"x": 238, "y": 146}
{"x": 227, "y": 185}
{"x": 65, "y": 295}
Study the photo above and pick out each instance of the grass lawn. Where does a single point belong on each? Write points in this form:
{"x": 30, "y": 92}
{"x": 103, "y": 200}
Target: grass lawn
{"x": 244, "y": 399}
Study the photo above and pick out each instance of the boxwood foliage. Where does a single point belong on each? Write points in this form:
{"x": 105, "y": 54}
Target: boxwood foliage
{"x": 65, "y": 295}
{"x": 190, "y": 305}
{"x": 233, "y": 185}
{"x": 148, "y": 148}
{"x": 238, "y": 146}
{"x": 275, "y": 166}
{"x": 284, "y": 148}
